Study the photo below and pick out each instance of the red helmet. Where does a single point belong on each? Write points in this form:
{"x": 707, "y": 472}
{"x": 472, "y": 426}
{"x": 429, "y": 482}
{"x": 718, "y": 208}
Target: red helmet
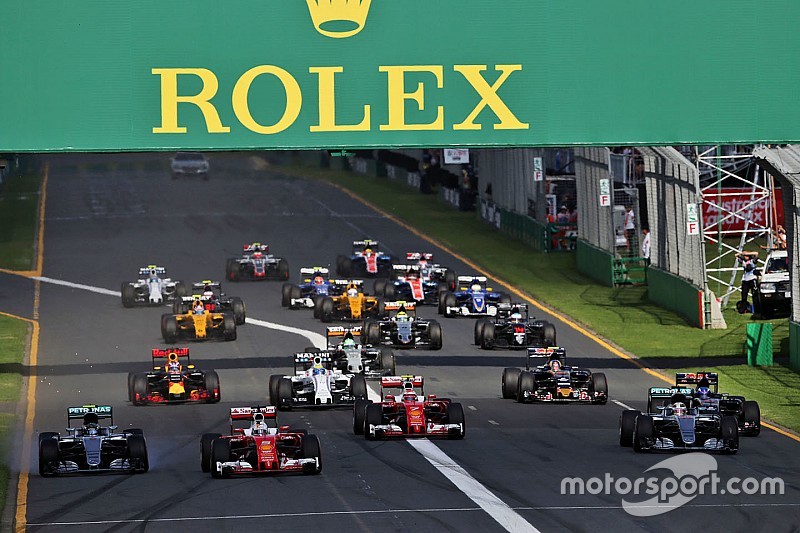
{"x": 258, "y": 255}
{"x": 319, "y": 280}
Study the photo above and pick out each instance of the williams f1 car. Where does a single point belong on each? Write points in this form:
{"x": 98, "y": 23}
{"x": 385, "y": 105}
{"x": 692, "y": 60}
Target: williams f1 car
{"x": 512, "y": 327}
{"x": 316, "y": 383}
{"x": 214, "y": 301}
{"x": 256, "y": 264}
{"x": 173, "y": 379}
{"x": 152, "y": 288}
{"x": 366, "y": 261}
{"x": 403, "y": 329}
{"x": 473, "y": 299}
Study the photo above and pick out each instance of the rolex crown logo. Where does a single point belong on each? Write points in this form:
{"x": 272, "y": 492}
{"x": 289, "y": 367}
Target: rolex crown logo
{"x": 339, "y": 18}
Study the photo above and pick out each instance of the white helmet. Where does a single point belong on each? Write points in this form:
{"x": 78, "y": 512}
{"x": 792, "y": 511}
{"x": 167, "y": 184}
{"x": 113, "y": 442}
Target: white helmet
{"x": 476, "y": 287}
{"x": 679, "y": 409}
{"x": 352, "y": 293}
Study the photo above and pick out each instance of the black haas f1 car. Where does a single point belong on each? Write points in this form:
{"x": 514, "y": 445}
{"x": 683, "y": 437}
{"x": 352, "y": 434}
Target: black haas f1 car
{"x": 257, "y": 445}
{"x": 403, "y": 329}
{"x": 91, "y": 447}
{"x": 553, "y": 381}
{"x": 351, "y": 356}
{"x": 174, "y": 379}
{"x": 256, "y": 264}
{"x": 746, "y": 412}
{"x": 314, "y": 286}
{"x": 316, "y": 383}
{"x": 679, "y": 425}
{"x": 152, "y": 288}
{"x": 512, "y": 327}
{"x": 473, "y": 298}
{"x": 366, "y": 261}
{"x": 408, "y": 414}
{"x": 214, "y": 301}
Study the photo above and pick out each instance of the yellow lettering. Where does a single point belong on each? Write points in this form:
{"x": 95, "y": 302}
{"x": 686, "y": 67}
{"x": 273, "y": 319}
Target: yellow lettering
{"x": 294, "y": 99}
{"x": 327, "y": 103}
{"x": 489, "y": 97}
{"x": 398, "y": 97}
{"x": 170, "y": 100}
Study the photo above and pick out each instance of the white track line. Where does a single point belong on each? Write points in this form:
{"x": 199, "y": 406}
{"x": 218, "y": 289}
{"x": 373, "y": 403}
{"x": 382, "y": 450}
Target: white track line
{"x": 89, "y": 288}
{"x": 623, "y": 405}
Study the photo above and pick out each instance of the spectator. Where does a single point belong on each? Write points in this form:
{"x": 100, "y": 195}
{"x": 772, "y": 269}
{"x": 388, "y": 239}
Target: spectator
{"x": 563, "y": 215}
{"x": 646, "y": 245}
{"x": 630, "y": 228}
{"x": 780, "y": 241}
{"x": 749, "y": 279}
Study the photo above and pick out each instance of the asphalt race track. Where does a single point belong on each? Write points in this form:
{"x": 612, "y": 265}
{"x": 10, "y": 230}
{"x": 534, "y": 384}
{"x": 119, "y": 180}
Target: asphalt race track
{"x": 107, "y": 215}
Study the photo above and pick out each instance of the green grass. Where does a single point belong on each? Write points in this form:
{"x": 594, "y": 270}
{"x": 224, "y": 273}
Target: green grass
{"x": 13, "y": 344}
{"x": 19, "y": 199}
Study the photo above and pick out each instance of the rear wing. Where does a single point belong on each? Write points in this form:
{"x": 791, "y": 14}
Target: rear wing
{"x": 505, "y": 310}
{"x": 394, "y": 307}
{"x": 465, "y": 281}
{"x": 246, "y": 413}
{"x": 207, "y": 283}
{"x": 336, "y": 334}
{"x": 419, "y": 256}
{"x": 145, "y": 271}
{"x": 103, "y": 412}
{"x": 314, "y": 271}
{"x": 345, "y": 282}
{"x": 550, "y": 353}
{"x": 307, "y": 359}
{"x": 255, "y": 247}
{"x": 668, "y": 392}
{"x": 360, "y": 246}
{"x": 403, "y": 382}
{"x": 694, "y": 378}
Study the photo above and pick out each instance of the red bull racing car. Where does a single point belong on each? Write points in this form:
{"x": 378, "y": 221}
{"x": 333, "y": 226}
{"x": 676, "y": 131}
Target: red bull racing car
{"x": 174, "y": 379}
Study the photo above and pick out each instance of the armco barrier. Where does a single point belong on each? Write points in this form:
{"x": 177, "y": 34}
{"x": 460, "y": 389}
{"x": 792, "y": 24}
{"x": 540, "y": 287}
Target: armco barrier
{"x": 676, "y": 294}
{"x": 595, "y": 263}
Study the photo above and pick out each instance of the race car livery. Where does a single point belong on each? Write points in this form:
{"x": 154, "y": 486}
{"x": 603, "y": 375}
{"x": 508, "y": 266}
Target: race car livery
{"x": 198, "y": 324}
{"x": 308, "y": 294}
{"x": 366, "y": 261}
{"x": 257, "y": 445}
{"x": 256, "y": 264}
{"x": 92, "y": 447}
{"x": 411, "y": 286}
{"x": 316, "y": 383}
{"x": 351, "y": 356}
{"x": 706, "y": 394}
{"x": 553, "y": 381}
{"x": 430, "y": 271}
{"x": 173, "y": 379}
{"x": 512, "y": 327}
{"x": 351, "y": 305}
{"x": 409, "y": 413}
{"x": 403, "y": 329}
{"x": 152, "y": 288}
{"x": 473, "y": 299}
{"x": 214, "y": 301}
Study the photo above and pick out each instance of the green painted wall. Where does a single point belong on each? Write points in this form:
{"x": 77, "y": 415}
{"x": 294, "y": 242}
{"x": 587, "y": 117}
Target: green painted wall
{"x": 595, "y": 263}
{"x": 676, "y": 294}
{"x": 794, "y": 345}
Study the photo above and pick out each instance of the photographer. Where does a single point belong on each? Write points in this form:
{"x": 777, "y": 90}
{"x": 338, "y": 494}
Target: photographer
{"x": 749, "y": 279}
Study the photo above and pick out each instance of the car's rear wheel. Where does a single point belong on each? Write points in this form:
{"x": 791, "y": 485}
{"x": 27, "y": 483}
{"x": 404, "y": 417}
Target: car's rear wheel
{"x": 169, "y": 329}
{"x": 504, "y": 299}
{"x": 131, "y": 377}
{"x": 345, "y": 266}
{"x": 373, "y": 417}
{"x": 232, "y": 270}
{"x": 435, "y": 332}
{"x": 388, "y": 364}
{"x": 274, "y": 380}
{"x": 239, "y": 311}
{"x": 137, "y": 453}
{"x": 751, "y": 413}
{"x": 449, "y": 301}
{"x": 729, "y": 433}
{"x": 378, "y": 287}
{"x": 48, "y": 457}
{"x": 286, "y": 294}
{"x": 627, "y": 423}
{"x": 488, "y": 336}
{"x": 372, "y": 332}
{"x": 450, "y": 278}
{"x": 478, "y": 330}
{"x": 220, "y": 453}
{"x": 283, "y": 269}
{"x": 211, "y": 381}
{"x": 311, "y": 449}
{"x": 229, "y": 327}
{"x": 326, "y": 309}
{"x": 358, "y": 387}
{"x": 390, "y": 292}
{"x": 206, "y": 441}
{"x": 139, "y": 389}
{"x": 285, "y": 394}
{"x": 455, "y": 415}
{"x": 549, "y": 334}
{"x": 599, "y": 387}
{"x": 359, "y": 415}
{"x": 510, "y": 382}
{"x": 181, "y": 289}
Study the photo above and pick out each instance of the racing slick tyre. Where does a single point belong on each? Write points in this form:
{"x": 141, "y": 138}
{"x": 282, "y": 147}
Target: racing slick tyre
{"x": 274, "y": 380}
{"x": 232, "y": 270}
{"x": 488, "y": 336}
{"x": 239, "y": 311}
{"x": 344, "y": 266}
{"x": 449, "y": 301}
{"x": 44, "y": 435}
{"x": 387, "y": 361}
{"x": 549, "y": 334}
{"x": 455, "y": 415}
{"x": 211, "y": 382}
{"x": 729, "y": 433}
{"x": 479, "y": 325}
{"x": 286, "y": 294}
{"x": 627, "y": 423}
{"x": 643, "y": 430}
{"x": 318, "y": 306}
{"x": 179, "y": 308}
{"x": 381, "y": 308}
{"x": 526, "y": 382}
{"x": 372, "y": 332}
{"x": 128, "y": 295}
{"x": 390, "y": 292}
{"x": 435, "y": 333}
{"x": 220, "y": 453}
{"x": 599, "y": 385}
{"x": 131, "y": 377}
{"x": 379, "y": 287}
{"x": 505, "y": 299}
{"x": 751, "y": 413}
{"x": 326, "y": 309}
{"x": 137, "y": 453}
{"x": 139, "y": 389}
{"x": 206, "y": 441}
{"x": 358, "y": 387}
{"x": 229, "y": 327}
{"x": 181, "y": 290}
{"x": 442, "y": 296}
{"x": 311, "y": 349}
{"x": 359, "y": 415}
{"x": 48, "y": 457}
{"x": 450, "y": 278}
{"x": 510, "y": 382}
{"x": 284, "y": 394}
{"x": 373, "y": 417}
{"x": 283, "y": 269}
{"x": 169, "y": 329}
{"x": 312, "y": 450}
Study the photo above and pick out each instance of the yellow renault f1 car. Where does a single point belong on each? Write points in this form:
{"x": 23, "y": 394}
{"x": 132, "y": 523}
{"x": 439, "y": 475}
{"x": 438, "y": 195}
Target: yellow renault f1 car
{"x": 352, "y": 305}
{"x": 198, "y": 323}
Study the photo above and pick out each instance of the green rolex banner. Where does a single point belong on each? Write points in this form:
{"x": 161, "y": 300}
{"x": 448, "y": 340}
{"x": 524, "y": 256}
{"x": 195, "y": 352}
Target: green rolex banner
{"x": 92, "y": 75}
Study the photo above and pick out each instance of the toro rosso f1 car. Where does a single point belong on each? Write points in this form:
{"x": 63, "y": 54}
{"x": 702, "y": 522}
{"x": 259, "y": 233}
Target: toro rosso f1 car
{"x": 403, "y": 329}
{"x": 257, "y": 445}
{"x": 366, "y": 261}
{"x": 152, "y": 288}
{"x": 512, "y": 327}
{"x": 553, "y": 381}
{"x": 256, "y": 264}
{"x": 316, "y": 383}
{"x": 174, "y": 379}
{"x": 92, "y": 447}
{"x": 473, "y": 299}
{"x": 408, "y": 414}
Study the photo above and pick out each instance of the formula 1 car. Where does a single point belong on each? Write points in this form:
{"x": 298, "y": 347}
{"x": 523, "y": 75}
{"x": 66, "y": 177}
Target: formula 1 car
{"x": 315, "y": 285}
{"x": 152, "y": 288}
{"x": 430, "y": 271}
{"x": 411, "y": 286}
{"x": 512, "y": 327}
{"x": 746, "y": 412}
{"x": 473, "y": 299}
{"x": 352, "y": 305}
{"x": 403, "y": 329}
{"x": 365, "y": 261}
{"x": 553, "y": 381}
{"x": 260, "y": 447}
{"x": 214, "y": 301}
{"x": 408, "y": 414}
{"x": 173, "y": 381}
{"x": 351, "y": 356}
{"x": 256, "y": 264}
{"x": 198, "y": 324}
{"x": 315, "y": 383}
{"x": 92, "y": 448}
{"x": 679, "y": 427}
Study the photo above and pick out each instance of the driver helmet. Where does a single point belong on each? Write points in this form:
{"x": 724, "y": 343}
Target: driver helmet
{"x": 409, "y": 396}
{"x": 349, "y": 343}
{"x": 317, "y": 368}
{"x": 401, "y": 316}
{"x": 198, "y": 307}
{"x": 319, "y": 280}
{"x": 153, "y": 274}
{"x": 476, "y": 287}
{"x": 91, "y": 423}
{"x": 555, "y": 365}
{"x": 173, "y": 367}
{"x": 208, "y": 294}
{"x": 258, "y": 255}
{"x": 367, "y": 251}
{"x": 679, "y": 408}
{"x": 259, "y": 426}
{"x": 516, "y": 317}
{"x": 704, "y": 393}
{"x": 352, "y": 292}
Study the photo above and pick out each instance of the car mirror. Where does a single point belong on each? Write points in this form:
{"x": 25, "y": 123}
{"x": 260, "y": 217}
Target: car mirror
{"x": 112, "y": 428}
